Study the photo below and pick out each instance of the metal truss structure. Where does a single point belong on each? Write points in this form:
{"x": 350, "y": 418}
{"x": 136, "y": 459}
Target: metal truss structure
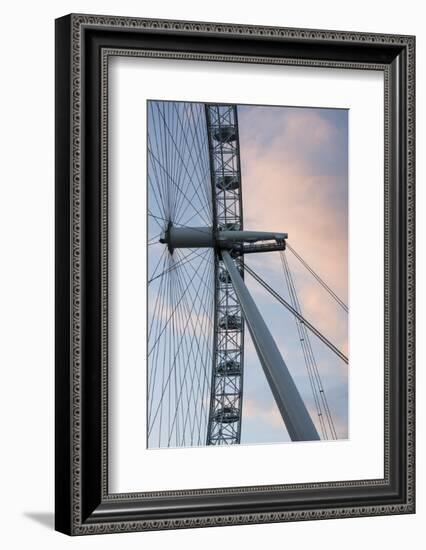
{"x": 224, "y": 424}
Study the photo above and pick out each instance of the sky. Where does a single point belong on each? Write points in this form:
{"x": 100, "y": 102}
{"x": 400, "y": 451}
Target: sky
{"x": 294, "y": 173}
{"x": 294, "y": 164}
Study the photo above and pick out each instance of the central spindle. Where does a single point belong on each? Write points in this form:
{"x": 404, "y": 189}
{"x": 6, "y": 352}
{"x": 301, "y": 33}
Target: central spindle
{"x": 206, "y": 237}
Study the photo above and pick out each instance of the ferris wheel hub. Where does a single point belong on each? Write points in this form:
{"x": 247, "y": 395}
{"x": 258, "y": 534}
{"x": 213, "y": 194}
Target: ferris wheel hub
{"x": 207, "y": 237}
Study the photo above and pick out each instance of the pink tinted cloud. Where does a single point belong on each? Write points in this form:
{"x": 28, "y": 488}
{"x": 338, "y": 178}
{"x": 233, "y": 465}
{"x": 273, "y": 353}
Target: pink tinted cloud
{"x": 256, "y": 411}
{"x": 284, "y": 192}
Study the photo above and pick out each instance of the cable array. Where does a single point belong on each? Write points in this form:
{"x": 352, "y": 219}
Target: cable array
{"x": 180, "y": 285}
{"x": 319, "y": 279}
{"x": 320, "y": 399}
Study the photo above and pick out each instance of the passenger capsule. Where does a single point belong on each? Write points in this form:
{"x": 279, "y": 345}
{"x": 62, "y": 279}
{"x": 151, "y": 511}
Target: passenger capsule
{"x": 224, "y": 277}
{"x": 227, "y": 415}
{"x": 225, "y": 134}
{"x": 228, "y": 183}
{"x": 229, "y": 367}
{"x": 230, "y": 322}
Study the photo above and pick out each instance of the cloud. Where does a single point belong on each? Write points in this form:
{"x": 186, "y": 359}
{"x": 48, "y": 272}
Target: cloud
{"x": 285, "y": 191}
{"x": 269, "y": 415}
{"x": 294, "y": 173}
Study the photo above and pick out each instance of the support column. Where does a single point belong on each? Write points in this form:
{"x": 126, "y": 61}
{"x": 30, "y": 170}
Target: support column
{"x": 292, "y": 408}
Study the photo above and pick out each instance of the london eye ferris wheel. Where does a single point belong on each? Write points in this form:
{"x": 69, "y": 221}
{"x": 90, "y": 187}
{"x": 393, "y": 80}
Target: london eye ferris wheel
{"x": 199, "y": 306}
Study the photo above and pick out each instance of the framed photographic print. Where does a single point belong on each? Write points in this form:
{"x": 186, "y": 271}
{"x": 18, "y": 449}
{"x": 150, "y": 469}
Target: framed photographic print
{"x": 234, "y": 274}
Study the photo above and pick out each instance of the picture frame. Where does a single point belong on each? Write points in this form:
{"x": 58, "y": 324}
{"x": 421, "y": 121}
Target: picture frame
{"x": 84, "y": 504}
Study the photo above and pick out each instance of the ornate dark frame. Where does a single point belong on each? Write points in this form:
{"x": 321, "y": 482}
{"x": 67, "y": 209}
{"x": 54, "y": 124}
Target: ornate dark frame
{"x": 83, "y": 45}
